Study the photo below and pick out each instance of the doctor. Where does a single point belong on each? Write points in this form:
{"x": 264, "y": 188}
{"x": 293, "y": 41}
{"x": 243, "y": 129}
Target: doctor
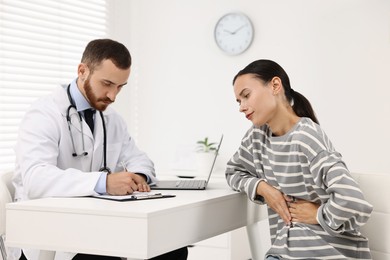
{"x": 59, "y": 154}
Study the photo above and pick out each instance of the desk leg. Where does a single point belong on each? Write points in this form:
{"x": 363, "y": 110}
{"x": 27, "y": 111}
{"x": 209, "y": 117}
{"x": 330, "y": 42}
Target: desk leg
{"x": 256, "y": 213}
{"x": 253, "y": 237}
{"x": 46, "y": 255}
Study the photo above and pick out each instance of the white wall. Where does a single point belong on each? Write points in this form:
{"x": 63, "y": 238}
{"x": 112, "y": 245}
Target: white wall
{"x": 336, "y": 52}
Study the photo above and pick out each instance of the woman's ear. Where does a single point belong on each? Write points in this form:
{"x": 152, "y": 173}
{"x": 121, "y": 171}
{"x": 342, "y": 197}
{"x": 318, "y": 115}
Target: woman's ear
{"x": 276, "y": 84}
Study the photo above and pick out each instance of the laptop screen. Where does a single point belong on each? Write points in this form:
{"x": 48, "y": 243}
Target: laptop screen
{"x": 215, "y": 158}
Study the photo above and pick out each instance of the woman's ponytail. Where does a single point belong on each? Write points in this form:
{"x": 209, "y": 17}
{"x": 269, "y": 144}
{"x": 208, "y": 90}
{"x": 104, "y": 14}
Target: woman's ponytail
{"x": 302, "y": 106}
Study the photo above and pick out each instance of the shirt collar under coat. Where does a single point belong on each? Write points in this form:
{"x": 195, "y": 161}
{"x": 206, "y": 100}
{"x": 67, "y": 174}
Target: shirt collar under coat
{"x": 78, "y": 98}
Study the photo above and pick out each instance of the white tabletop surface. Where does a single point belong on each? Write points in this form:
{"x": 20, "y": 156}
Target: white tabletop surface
{"x": 135, "y": 229}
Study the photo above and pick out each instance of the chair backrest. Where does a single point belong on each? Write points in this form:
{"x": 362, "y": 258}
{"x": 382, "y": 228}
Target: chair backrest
{"x": 376, "y": 190}
{"x": 6, "y": 194}
{"x": 6, "y": 177}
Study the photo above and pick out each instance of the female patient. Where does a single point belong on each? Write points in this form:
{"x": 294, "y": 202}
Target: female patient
{"x": 286, "y": 160}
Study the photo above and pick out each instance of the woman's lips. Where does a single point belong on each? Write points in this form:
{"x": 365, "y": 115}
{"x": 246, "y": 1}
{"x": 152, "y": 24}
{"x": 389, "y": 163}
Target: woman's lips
{"x": 248, "y": 116}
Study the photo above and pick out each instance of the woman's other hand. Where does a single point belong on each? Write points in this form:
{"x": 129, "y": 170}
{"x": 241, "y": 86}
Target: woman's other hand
{"x": 303, "y": 211}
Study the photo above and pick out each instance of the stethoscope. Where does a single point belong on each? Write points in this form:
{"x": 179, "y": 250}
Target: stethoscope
{"x": 85, "y": 153}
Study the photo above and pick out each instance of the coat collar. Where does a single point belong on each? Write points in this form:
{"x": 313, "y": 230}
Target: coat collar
{"x": 79, "y": 100}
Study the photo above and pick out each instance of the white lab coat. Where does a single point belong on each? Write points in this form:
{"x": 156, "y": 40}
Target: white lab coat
{"x": 45, "y": 166}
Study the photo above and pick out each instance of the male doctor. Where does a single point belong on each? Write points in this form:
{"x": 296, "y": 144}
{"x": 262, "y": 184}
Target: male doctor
{"x": 72, "y": 144}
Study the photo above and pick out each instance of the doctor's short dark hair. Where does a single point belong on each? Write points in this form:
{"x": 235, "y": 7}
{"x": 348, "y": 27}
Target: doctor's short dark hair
{"x": 102, "y": 49}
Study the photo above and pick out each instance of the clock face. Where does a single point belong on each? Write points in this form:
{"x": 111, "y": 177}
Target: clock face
{"x": 233, "y": 33}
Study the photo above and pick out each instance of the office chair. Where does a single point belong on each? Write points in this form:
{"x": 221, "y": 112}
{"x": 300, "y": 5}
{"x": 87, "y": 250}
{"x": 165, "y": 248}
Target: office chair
{"x": 377, "y": 230}
{"x": 6, "y": 195}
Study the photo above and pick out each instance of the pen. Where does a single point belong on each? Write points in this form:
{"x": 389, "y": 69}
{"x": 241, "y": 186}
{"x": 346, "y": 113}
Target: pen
{"x": 147, "y": 196}
{"x": 124, "y": 166}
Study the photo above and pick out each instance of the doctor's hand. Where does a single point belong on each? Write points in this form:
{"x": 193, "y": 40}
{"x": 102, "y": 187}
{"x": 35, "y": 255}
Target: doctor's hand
{"x": 123, "y": 183}
{"x": 275, "y": 200}
{"x": 140, "y": 180}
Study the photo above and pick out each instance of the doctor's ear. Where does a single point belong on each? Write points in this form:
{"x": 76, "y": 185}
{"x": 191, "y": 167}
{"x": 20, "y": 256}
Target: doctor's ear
{"x": 82, "y": 71}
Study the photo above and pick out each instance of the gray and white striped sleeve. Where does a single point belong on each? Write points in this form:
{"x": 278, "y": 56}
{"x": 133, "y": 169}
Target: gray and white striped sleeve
{"x": 241, "y": 172}
{"x": 346, "y": 209}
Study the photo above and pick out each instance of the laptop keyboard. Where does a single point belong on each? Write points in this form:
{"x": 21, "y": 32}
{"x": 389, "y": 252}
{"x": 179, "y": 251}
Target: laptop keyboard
{"x": 189, "y": 183}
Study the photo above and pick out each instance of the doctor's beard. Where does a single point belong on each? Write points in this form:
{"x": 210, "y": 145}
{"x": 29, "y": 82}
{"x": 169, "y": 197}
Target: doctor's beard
{"x": 99, "y": 104}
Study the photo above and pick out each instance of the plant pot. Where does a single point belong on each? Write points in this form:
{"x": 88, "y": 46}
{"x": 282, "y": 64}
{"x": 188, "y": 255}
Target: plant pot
{"x": 204, "y": 161}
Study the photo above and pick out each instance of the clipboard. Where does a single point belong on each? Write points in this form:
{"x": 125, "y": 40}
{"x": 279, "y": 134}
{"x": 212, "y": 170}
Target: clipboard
{"x": 135, "y": 196}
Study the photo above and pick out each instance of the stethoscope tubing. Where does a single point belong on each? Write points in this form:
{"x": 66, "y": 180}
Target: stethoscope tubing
{"x": 85, "y": 153}
{"x": 74, "y": 154}
{"x": 104, "y": 168}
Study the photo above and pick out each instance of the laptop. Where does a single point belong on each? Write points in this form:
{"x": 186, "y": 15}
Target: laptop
{"x": 186, "y": 184}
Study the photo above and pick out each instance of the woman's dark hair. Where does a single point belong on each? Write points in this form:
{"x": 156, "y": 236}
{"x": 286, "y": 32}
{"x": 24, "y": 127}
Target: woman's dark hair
{"x": 106, "y": 49}
{"x": 266, "y": 70}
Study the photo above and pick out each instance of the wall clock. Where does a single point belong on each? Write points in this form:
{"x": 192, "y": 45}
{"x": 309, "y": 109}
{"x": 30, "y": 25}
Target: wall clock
{"x": 233, "y": 33}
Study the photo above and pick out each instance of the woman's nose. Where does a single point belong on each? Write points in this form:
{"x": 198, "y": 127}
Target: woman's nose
{"x": 243, "y": 108}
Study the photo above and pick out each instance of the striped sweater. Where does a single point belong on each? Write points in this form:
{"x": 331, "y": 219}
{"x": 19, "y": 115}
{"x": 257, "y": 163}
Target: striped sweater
{"x": 303, "y": 164}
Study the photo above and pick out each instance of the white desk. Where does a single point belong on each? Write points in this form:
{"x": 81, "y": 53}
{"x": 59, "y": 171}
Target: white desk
{"x": 133, "y": 229}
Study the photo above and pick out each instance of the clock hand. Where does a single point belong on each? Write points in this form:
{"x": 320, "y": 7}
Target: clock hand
{"x": 239, "y": 28}
{"x": 228, "y": 31}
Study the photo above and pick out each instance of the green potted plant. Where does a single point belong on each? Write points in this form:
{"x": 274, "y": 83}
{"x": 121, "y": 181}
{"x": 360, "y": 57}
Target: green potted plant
{"x": 206, "y": 146}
